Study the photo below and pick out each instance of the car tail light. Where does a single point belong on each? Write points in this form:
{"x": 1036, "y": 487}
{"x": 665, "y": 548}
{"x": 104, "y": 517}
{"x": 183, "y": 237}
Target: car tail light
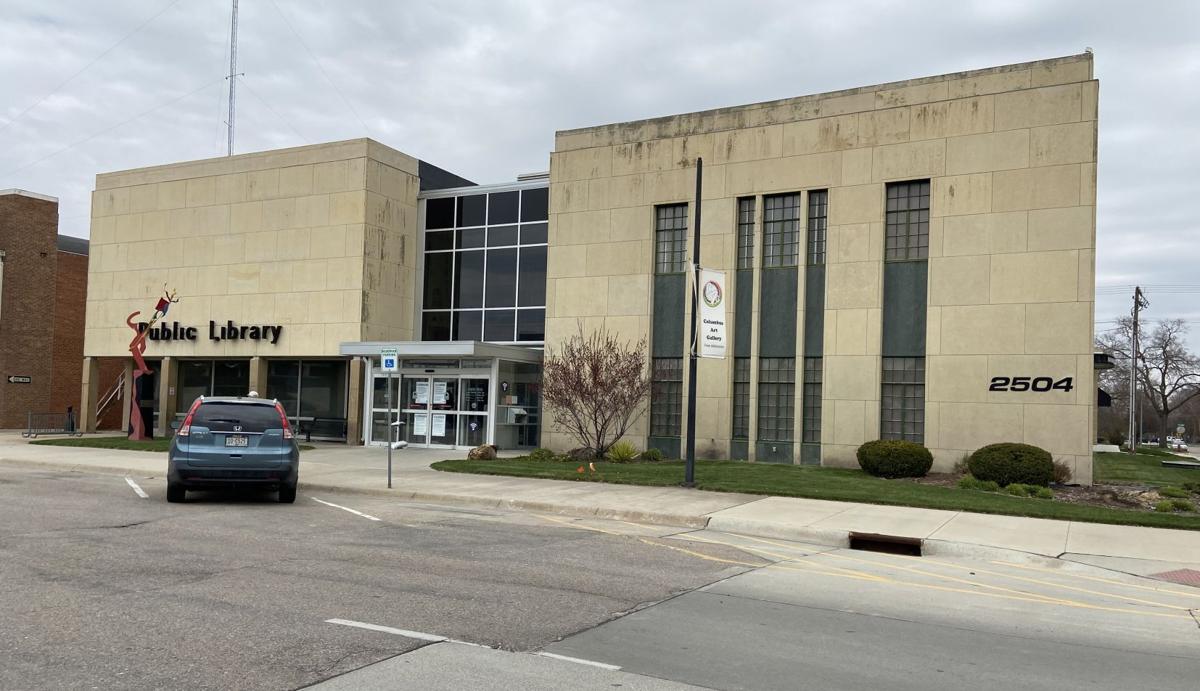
{"x": 287, "y": 427}
{"x": 186, "y": 428}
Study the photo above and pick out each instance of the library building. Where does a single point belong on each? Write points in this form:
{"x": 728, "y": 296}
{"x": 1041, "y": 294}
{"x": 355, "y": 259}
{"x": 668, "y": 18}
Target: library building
{"x": 912, "y": 260}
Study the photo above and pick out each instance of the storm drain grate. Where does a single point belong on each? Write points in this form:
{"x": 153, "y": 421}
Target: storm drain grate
{"x": 888, "y": 544}
{"x": 1181, "y": 576}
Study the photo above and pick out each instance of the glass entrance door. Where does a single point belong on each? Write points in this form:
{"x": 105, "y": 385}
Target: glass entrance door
{"x": 444, "y": 411}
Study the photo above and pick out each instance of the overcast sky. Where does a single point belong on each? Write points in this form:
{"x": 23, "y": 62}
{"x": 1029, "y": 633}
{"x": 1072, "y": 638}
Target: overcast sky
{"x": 480, "y": 87}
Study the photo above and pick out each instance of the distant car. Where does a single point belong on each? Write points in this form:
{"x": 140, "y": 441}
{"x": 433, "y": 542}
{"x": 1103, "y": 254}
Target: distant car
{"x": 1178, "y": 445}
{"x": 228, "y": 441}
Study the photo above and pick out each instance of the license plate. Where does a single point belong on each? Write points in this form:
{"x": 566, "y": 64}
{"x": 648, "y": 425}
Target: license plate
{"x": 236, "y": 440}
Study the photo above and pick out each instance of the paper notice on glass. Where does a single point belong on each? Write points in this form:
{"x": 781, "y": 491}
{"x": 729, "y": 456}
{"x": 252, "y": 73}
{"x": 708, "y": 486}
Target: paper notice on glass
{"x": 421, "y": 394}
{"x": 420, "y": 425}
{"x": 439, "y": 392}
{"x": 439, "y": 425}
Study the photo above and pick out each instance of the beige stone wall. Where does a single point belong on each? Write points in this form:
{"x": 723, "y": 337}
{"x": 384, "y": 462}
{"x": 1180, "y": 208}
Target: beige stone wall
{"x": 318, "y": 239}
{"x": 1011, "y": 153}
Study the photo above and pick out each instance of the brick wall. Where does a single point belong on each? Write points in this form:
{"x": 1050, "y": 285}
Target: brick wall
{"x": 28, "y": 236}
{"x": 66, "y": 354}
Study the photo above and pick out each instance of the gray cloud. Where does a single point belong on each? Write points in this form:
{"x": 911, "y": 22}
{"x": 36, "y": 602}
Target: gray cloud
{"x": 480, "y": 87}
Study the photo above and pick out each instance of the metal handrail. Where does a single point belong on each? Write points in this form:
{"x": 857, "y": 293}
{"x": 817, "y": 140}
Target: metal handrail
{"x": 113, "y": 394}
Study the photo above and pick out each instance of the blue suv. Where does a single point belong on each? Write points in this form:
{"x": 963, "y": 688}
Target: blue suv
{"x": 228, "y": 441}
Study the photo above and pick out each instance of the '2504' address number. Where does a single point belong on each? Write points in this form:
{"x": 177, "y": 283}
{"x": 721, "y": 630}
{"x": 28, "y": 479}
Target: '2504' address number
{"x": 1039, "y": 384}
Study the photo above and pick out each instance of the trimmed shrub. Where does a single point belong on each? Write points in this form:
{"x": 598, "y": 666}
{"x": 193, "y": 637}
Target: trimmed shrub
{"x": 1174, "y": 492}
{"x": 1183, "y": 505}
{"x": 543, "y": 455}
{"x": 621, "y": 452}
{"x": 1043, "y": 493}
{"x": 1019, "y": 490}
{"x": 1164, "y": 506}
{"x": 969, "y": 482}
{"x": 1010, "y": 463}
{"x": 652, "y": 455}
{"x": 893, "y": 458}
{"x": 1062, "y": 473}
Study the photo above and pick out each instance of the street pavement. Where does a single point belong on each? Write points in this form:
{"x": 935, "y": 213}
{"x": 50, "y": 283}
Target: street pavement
{"x": 342, "y": 468}
{"x": 102, "y": 588}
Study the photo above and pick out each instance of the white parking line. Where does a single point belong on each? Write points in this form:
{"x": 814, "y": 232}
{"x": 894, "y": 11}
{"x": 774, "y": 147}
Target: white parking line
{"x": 346, "y": 508}
{"x": 580, "y": 661}
{"x": 387, "y": 629}
{"x": 432, "y": 638}
{"x": 140, "y": 492}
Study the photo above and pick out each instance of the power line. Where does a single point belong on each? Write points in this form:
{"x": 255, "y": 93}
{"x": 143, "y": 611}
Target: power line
{"x": 83, "y": 69}
{"x": 263, "y": 101}
{"x": 321, "y": 68}
{"x": 111, "y": 128}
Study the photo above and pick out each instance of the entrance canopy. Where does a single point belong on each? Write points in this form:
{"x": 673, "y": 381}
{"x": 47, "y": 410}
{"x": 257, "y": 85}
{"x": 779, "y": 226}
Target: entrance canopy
{"x": 452, "y": 394}
{"x": 444, "y": 349}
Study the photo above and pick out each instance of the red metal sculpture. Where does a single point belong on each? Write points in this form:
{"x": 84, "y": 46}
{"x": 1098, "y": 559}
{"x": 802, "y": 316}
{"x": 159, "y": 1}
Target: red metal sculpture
{"x": 137, "y": 347}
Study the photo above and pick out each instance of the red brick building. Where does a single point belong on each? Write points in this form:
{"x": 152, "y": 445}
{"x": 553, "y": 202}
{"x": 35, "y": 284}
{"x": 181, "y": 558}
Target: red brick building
{"x": 43, "y": 295}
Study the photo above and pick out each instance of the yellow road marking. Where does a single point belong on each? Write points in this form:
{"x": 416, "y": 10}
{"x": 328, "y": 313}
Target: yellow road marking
{"x": 573, "y": 524}
{"x": 782, "y": 557}
{"x": 794, "y": 564}
{"x": 648, "y": 542}
{"x": 699, "y": 554}
{"x": 927, "y": 586}
{"x": 931, "y": 574}
{"x": 1098, "y": 579}
{"x": 1052, "y": 584}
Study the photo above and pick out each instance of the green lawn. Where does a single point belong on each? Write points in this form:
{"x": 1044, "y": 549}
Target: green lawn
{"x": 1141, "y": 469}
{"x": 819, "y": 483}
{"x": 122, "y": 443}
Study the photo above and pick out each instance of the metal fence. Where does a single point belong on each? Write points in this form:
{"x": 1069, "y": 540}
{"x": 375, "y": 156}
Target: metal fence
{"x": 51, "y": 423}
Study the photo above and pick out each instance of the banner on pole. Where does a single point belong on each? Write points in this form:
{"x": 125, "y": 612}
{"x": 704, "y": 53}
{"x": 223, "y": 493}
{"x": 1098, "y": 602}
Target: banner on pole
{"x": 712, "y": 313}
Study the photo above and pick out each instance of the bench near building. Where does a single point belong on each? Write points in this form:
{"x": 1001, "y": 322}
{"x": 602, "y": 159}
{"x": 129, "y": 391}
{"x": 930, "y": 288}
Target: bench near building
{"x": 910, "y": 260}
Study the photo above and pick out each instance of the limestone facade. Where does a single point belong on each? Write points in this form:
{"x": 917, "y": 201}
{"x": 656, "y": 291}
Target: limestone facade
{"x": 1010, "y": 153}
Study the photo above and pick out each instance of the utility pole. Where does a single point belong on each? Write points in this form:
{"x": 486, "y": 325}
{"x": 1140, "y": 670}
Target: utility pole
{"x": 1139, "y": 303}
{"x": 232, "y": 72}
{"x": 689, "y": 473}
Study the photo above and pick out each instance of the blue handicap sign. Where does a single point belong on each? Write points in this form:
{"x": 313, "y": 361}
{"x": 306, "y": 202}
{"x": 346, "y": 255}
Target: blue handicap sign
{"x": 389, "y": 363}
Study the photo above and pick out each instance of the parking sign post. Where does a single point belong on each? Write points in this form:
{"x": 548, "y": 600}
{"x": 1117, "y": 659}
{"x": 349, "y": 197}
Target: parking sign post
{"x": 388, "y": 361}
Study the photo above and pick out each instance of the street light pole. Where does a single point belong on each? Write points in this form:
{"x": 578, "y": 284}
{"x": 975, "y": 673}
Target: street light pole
{"x": 689, "y": 474}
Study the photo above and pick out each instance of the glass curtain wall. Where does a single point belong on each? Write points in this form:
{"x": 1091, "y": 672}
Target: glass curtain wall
{"x": 485, "y": 267}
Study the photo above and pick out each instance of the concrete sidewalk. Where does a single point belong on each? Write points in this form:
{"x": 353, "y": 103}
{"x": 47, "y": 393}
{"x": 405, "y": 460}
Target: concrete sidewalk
{"x": 336, "y": 467}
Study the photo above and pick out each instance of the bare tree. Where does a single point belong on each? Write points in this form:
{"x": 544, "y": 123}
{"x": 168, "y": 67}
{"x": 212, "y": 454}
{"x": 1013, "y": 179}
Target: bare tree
{"x": 597, "y": 387}
{"x": 1167, "y": 372}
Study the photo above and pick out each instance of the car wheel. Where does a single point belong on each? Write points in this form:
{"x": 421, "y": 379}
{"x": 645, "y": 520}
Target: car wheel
{"x": 287, "y": 494}
{"x": 176, "y": 493}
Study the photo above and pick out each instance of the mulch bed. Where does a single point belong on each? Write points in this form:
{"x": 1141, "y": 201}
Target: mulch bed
{"x": 1136, "y": 497}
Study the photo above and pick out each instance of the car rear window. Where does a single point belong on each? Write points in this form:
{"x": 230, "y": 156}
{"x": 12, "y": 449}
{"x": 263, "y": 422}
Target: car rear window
{"x": 227, "y": 417}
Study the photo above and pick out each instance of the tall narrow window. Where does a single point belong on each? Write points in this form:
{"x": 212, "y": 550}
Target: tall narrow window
{"x": 781, "y": 229}
{"x": 741, "y": 398}
{"x": 812, "y": 400}
{"x": 776, "y": 398}
{"x": 670, "y": 238}
{"x": 666, "y": 397}
{"x": 745, "y": 233}
{"x": 907, "y": 220}
{"x": 818, "y": 219}
{"x": 902, "y": 408}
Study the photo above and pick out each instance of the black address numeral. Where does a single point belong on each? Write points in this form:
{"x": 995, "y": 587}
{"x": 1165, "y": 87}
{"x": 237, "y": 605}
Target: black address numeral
{"x": 1038, "y": 384}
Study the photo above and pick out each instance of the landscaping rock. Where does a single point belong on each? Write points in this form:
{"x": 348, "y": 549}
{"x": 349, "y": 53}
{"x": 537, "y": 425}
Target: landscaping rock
{"x": 486, "y": 452}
